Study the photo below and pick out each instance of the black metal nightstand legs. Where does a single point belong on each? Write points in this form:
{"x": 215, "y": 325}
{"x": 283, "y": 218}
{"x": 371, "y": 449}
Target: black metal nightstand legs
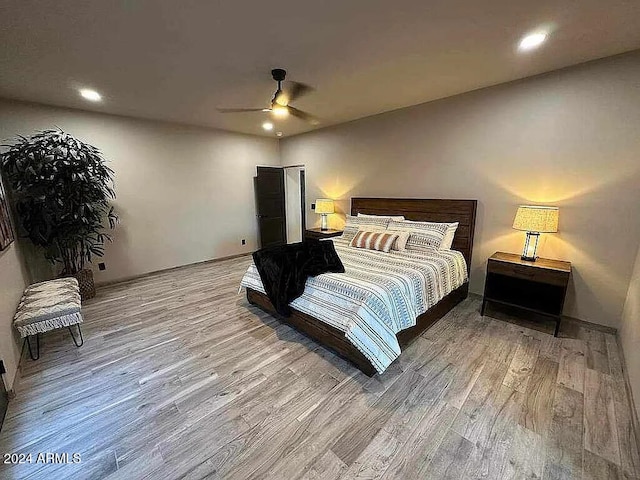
{"x": 557, "y": 330}
{"x": 557, "y": 318}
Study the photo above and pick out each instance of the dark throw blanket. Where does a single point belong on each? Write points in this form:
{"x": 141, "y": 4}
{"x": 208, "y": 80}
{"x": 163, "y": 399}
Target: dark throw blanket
{"x": 284, "y": 269}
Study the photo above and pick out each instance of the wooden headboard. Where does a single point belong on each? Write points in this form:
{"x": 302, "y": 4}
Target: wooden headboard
{"x": 429, "y": 210}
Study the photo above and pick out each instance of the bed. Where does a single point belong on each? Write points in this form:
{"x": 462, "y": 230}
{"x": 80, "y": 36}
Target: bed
{"x": 367, "y": 337}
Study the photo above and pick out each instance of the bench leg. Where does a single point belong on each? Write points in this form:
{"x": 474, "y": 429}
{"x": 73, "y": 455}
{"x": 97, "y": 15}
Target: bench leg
{"x": 74, "y": 337}
{"x": 26, "y": 340}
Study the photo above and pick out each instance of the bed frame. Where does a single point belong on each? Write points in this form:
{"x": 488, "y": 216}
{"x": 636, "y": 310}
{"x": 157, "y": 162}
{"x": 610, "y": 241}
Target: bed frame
{"x": 434, "y": 210}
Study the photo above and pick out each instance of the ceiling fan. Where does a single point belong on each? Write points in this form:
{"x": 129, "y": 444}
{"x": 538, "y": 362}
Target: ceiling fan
{"x": 280, "y": 105}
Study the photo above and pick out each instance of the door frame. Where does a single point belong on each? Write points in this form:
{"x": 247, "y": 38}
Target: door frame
{"x": 300, "y": 205}
{"x": 303, "y": 202}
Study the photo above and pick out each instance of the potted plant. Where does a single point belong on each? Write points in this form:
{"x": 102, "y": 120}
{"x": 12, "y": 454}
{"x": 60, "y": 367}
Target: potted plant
{"x": 62, "y": 189}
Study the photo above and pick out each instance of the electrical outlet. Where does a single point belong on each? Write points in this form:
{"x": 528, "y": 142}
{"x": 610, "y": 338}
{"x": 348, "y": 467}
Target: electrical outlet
{"x": 102, "y": 266}
{"x": 244, "y": 242}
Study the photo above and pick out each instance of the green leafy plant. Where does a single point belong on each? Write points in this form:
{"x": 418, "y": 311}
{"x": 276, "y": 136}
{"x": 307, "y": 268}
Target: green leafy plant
{"x": 62, "y": 189}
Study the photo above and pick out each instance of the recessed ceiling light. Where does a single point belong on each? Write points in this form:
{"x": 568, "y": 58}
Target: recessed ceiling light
{"x": 278, "y": 134}
{"x": 267, "y": 126}
{"x": 532, "y": 41}
{"x": 90, "y": 95}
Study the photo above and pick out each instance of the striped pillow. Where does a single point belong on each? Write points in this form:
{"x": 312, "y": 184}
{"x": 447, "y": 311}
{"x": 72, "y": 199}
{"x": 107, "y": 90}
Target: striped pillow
{"x": 356, "y": 223}
{"x": 423, "y": 235}
{"x": 397, "y": 218}
{"x": 401, "y": 243}
{"x": 381, "y": 241}
{"x": 449, "y": 236}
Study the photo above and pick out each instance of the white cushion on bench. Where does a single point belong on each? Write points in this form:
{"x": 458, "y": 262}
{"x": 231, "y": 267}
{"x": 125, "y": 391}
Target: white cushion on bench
{"x": 48, "y": 305}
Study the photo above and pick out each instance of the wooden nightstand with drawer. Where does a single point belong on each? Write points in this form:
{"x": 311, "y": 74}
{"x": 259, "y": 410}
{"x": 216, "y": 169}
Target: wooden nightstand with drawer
{"x": 538, "y": 286}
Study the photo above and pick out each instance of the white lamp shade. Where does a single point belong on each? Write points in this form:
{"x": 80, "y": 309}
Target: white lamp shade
{"x": 324, "y": 205}
{"x": 533, "y": 218}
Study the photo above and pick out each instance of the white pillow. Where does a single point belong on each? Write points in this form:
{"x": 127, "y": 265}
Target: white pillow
{"x": 397, "y": 218}
{"x": 371, "y": 228}
{"x": 422, "y": 235}
{"x": 448, "y": 237}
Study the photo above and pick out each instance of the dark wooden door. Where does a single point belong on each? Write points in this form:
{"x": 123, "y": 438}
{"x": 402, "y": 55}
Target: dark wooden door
{"x": 4, "y": 399}
{"x": 270, "y": 206}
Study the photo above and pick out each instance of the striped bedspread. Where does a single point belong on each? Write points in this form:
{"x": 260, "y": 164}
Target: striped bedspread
{"x": 379, "y": 294}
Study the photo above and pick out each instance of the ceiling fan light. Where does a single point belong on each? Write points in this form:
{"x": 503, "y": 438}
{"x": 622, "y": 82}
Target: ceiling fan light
{"x": 280, "y": 110}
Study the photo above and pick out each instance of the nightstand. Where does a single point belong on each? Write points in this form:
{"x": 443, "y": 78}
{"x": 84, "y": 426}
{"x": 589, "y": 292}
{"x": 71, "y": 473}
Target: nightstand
{"x": 538, "y": 286}
{"x": 318, "y": 234}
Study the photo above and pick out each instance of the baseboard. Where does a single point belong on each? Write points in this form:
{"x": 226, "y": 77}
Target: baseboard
{"x": 3, "y": 383}
{"x": 172, "y": 269}
{"x": 627, "y": 383}
{"x": 592, "y": 326}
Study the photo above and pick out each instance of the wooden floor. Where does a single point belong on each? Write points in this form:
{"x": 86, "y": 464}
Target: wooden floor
{"x": 180, "y": 378}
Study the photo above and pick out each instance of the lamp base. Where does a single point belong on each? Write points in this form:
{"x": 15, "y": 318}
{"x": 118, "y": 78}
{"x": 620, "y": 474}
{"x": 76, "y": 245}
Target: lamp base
{"x": 530, "y": 247}
{"x": 323, "y": 224}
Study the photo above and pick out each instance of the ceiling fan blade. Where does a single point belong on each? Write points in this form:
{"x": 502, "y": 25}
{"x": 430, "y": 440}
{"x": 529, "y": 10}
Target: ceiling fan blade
{"x": 241, "y": 110}
{"x": 307, "y": 117}
{"x": 297, "y": 90}
{"x": 291, "y": 91}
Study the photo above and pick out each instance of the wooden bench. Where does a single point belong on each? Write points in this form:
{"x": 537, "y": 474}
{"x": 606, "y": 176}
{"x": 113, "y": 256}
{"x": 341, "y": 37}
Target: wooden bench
{"x": 47, "y": 306}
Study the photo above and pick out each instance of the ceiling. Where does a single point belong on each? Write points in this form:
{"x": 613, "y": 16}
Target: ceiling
{"x": 179, "y": 60}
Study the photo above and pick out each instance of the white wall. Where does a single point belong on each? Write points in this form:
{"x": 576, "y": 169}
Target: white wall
{"x": 293, "y": 200}
{"x": 630, "y": 333}
{"x": 13, "y": 279}
{"x": 184, "y": 194}
{"x": 569, "y": 138}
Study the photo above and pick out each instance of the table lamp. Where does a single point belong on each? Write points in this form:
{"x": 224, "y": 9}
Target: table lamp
{"x": 324, "y": 206}
{"x": 535, "y": 220}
